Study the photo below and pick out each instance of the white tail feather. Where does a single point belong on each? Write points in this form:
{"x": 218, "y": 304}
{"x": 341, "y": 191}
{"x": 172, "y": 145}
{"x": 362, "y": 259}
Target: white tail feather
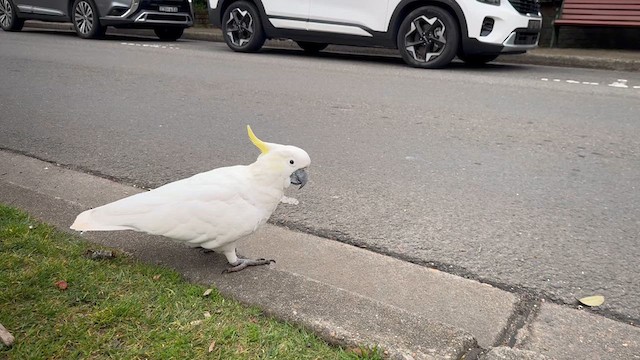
{"x": 86, "y": 222}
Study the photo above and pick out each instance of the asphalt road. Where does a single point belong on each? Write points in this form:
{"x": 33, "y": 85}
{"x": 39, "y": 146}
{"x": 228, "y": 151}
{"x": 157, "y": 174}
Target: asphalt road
{"x": 525, "y": 177}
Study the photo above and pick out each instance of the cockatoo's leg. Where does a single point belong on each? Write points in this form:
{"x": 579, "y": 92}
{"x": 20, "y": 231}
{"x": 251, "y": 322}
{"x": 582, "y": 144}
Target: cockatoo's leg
{"x": 240, "y": 264}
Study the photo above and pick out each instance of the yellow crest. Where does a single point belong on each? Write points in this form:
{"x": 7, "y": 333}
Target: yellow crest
{"x": 257, "y": 142}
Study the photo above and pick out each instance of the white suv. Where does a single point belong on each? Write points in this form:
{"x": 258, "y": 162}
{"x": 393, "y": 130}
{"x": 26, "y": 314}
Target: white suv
{"x": 428, "y": 33}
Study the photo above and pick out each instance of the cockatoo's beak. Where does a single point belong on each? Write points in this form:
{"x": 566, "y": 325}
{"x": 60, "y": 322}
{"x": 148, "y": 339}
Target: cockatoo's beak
{"x": 299, "y": 177}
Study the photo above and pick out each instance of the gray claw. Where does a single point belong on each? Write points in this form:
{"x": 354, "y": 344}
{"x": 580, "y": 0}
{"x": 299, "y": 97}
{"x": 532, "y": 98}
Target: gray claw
{"x": 242, "y": 264}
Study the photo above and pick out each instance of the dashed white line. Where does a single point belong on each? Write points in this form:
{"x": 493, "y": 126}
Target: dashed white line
{"x": 619, "y": 83}
{"x": 153, "y": 46}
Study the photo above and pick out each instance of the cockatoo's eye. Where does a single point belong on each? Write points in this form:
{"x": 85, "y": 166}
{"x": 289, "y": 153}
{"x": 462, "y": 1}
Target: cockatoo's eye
{"x": 291, "y": 162}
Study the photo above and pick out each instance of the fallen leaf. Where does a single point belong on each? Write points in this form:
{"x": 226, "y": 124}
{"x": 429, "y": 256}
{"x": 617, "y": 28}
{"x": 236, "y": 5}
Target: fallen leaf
{"x": 592, "y": 301}
{"x": 207, "y": 292}
{"x": 156, "y": 277}
{"x": 355, "y": 350}
{"x": 196, "y": 322}
{"x": 62, "y": 285}
{"x": 212, "y": 346}
{"x": 207, "y": 314}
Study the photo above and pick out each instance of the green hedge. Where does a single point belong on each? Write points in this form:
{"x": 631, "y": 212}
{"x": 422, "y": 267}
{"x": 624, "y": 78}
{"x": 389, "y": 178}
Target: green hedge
{"x": 200, "y": 4}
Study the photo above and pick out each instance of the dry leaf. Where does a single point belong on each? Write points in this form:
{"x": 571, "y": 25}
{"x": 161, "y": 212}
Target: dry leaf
{"x": 62, "y": 285}
{"x": 156, "y": 277}
{"x": 196, "y": 322}
{"x": 207, "y": 292}
{"x": 355, "y": 350}
{"x": 207, "y": 314}
{"x": 592, "y": 301}
{"x": 212, "y": 346}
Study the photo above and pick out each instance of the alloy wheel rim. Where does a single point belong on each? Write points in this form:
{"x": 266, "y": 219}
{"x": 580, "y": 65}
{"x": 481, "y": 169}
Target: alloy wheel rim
{"x": 239, "y": 27}
{"x": 84, "y": 17}
{"x": 425, "y": 40}
{"x": 5, "y": 13}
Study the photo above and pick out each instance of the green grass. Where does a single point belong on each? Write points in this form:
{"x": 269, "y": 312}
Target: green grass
{"x": 123, "y": 309}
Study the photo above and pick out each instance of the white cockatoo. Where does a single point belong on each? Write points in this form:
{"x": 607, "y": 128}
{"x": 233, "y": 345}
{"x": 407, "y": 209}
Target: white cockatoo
{"x": 213, "y": 209}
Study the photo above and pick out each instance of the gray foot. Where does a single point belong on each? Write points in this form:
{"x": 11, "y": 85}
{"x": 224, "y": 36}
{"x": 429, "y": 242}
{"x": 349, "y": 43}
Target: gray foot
{"x": 243, "y": 263}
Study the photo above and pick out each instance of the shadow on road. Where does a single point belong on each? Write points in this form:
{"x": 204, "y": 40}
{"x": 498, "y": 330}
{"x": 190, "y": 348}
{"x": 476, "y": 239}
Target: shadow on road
{"x": 109, "y": 36}
{"x": 387, "y": 57}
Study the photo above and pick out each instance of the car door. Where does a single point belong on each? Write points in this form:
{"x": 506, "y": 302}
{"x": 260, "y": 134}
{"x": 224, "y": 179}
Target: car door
{"x": 352, "y": 17}
{"x": 289, "y": 14}
{"x": 48, "y": 7}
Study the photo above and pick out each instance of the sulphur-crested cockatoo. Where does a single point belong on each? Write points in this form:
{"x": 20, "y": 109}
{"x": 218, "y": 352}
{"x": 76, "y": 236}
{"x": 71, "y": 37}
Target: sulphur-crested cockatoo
{"x": 213, "y": 209}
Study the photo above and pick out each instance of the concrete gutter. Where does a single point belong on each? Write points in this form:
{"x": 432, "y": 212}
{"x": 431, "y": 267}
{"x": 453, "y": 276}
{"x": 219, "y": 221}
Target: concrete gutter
{"x": 346, "y": 294}
{"x": 618, "y": 60}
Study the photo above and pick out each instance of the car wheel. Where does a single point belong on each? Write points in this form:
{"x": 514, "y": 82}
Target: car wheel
{"x": 168, "y": 33}
{"x": 311, "y": 47}
{"x": 86, "y": 20}
{"x": 9, "y": 20}
{"x": 428, "y": 38}
{"x": 242, "y": 28}
{"x": 477, "y": 59}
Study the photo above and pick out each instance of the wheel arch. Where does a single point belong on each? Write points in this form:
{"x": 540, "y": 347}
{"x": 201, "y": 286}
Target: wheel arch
{"x": 407, "y": 6}
{"x": 70, "y": 9}
{"x": 226, "y": 3}
{"x": 15, "y": 8}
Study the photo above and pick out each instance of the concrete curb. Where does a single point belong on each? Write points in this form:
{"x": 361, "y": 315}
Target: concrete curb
{"x": 548, "y": 57}
{"x": 587, "y": 62}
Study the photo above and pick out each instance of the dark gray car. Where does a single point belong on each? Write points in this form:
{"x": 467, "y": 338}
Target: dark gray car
{"x": 90, "y": 18}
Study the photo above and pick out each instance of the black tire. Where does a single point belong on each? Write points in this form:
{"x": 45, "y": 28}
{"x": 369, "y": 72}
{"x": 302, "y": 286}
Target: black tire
{"x": 9, "y": 20}
{"x": 477, "y": 59}
{"x": 312, "y": 47}
{"x": 242, "y": 27}
{"x": 86, "y": 20}
{"x": 168, "y": 33}
{"x": 433, "y": 42}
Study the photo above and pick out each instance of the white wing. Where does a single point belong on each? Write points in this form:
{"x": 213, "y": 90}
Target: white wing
{"x": 209, "y": 209}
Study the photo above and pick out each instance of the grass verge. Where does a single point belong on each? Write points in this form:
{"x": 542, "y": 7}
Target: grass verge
{"x": 120, "y": 308}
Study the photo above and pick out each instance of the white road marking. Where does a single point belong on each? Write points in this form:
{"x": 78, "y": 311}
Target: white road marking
{"x": 619, "y": 83}
{"x": 153, "y": 46}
